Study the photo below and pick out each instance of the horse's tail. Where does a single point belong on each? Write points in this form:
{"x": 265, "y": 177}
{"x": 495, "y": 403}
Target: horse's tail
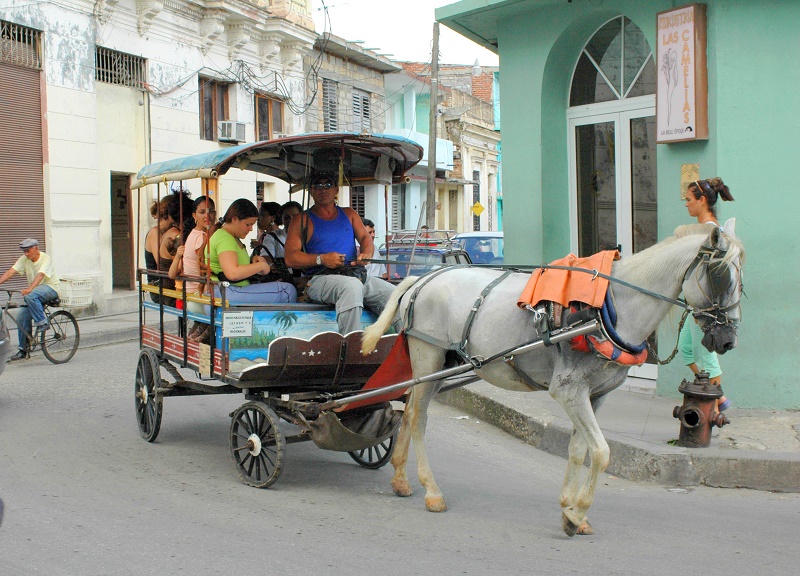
{"x": 373, "y": 333}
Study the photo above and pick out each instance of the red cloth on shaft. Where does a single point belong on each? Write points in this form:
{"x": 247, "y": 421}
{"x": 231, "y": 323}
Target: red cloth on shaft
{"x": 394, "y": 369}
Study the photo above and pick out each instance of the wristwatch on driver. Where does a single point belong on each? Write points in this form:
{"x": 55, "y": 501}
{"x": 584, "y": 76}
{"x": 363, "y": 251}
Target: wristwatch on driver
{"x": 319, "y": 259}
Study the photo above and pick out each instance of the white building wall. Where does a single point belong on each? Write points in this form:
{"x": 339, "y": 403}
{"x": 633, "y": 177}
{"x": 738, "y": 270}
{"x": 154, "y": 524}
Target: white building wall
{"x": 93, "y": 129}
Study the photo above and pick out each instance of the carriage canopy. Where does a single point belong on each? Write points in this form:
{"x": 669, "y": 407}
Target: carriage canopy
{"x": 358, "y": 158}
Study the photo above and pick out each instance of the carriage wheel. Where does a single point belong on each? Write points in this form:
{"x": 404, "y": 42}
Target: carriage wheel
{"x": 60, "y": 342}
{"x": 149, "y": 405}
{"x": 257, "y": 444}
{"x": 376, "y": 456}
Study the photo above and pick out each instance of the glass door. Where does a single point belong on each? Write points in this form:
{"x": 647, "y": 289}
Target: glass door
{"x": 613, "y": 184}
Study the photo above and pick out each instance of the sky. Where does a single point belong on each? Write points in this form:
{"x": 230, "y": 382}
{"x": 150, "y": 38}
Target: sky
{"x": 406, "y": 31}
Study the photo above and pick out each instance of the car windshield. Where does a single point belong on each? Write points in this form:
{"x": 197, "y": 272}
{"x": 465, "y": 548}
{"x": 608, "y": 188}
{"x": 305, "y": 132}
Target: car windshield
{"x": 483, "y": 249}
{"x": 425, "y": 260}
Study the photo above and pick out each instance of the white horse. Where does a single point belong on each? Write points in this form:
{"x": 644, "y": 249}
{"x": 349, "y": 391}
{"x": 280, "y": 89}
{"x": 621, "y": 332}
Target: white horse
{"x": 704, "y": 265}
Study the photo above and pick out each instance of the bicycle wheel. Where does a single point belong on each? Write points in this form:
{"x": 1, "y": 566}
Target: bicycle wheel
{"x": 60, "y": 342}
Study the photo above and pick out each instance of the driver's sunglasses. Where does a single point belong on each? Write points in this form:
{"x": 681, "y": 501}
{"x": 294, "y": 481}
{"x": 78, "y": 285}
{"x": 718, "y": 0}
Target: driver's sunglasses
{"x": 323, "y": 185}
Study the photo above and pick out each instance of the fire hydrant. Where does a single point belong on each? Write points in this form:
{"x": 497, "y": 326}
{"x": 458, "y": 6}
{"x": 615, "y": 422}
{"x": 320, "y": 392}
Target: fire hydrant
{"x": 698, "y": 414}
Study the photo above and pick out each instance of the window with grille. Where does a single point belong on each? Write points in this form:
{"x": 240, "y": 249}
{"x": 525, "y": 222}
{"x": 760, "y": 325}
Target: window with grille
{"x": 213, "y": 106}
{"x": 357, "y": 199}
{"x": 259, "y": 193}
{"x": 20, "y": 45}
{"x": 361, "y": 111}
{"x": 398, "y": 207}
{"x": 118, "y": 68}
{"x": 329, "y": 106}
{"x": 269, "y": 117}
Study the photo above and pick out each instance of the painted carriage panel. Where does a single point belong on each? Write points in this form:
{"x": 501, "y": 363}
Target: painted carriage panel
{"x": 270, "y": 325}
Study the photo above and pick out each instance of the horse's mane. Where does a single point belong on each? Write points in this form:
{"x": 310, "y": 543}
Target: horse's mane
{"x": 643, "y": 265}
{"x": 735, "y": 246}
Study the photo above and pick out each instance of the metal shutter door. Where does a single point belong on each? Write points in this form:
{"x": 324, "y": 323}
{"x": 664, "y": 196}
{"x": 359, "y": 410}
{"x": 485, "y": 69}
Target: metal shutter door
{"x": 21, "y": 164}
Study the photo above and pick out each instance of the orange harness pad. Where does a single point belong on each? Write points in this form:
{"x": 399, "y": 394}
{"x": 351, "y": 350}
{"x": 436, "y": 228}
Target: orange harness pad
{"x": 565, "y": 286}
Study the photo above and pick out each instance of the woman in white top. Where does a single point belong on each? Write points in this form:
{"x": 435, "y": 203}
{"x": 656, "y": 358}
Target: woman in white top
{"x": 701, "y": 202}
{"x": 188, "y": 259}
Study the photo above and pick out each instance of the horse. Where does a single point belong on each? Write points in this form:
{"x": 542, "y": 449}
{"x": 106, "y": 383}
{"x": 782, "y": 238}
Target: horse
{"x": 702, "y": 263}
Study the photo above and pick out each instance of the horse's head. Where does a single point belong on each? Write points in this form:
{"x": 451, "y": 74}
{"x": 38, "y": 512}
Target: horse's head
{"x": 712, "y": 286}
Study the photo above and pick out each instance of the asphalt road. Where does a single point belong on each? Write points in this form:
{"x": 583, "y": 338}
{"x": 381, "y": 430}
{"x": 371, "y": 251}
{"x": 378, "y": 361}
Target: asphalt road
{"x": 84, "y": 495}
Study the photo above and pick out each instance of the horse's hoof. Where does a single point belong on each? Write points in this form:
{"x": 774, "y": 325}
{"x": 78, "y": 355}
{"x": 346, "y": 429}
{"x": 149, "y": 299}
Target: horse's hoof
{"x": 585, "y": 529}
{"x": 569, "y": 527}
{"x": 435, "y": 504}
{"x": 402, "y": 488}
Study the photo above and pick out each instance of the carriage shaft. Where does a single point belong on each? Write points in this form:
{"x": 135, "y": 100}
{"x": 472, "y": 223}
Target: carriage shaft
{"x": 455, "y": 371}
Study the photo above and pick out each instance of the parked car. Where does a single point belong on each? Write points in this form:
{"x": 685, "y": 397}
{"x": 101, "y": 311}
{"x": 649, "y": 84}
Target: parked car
{"x": 482, "y": 247}
{"x": 431, "y": 250}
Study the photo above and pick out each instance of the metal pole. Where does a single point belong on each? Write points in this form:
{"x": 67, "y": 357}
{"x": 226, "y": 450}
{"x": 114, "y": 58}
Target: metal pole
{"x": 386, "y": 208}
{"x": 430, "y": 215}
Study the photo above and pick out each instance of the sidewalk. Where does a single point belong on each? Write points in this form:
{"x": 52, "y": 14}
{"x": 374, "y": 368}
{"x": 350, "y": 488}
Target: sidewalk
{"x": 758, "y": 449}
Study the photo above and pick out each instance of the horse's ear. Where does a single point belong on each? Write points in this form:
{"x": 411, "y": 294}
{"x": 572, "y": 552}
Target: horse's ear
{"x": 716, "y": 239}
{"x": 729, "y": 227}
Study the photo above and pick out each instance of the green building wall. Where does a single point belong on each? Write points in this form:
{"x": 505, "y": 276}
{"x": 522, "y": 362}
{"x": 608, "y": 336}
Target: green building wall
{"x": 754, "y": 121}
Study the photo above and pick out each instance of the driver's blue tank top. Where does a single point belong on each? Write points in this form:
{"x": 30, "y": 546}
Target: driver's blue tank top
{"x": 335, "y": 235}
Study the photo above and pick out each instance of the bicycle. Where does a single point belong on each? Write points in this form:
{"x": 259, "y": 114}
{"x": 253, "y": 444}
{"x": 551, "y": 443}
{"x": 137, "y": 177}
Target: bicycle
{"x": 60, "y": 342}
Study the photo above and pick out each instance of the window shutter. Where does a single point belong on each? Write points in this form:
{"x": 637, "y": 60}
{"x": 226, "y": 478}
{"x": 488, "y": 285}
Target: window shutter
{"x": 361, "y": 111}
{"x": 329, "y": 106}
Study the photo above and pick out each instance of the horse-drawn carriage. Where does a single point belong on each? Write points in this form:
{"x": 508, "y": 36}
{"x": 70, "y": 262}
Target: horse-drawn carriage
{"x": 292, "y": 365}
{"x": 286, "y": 359}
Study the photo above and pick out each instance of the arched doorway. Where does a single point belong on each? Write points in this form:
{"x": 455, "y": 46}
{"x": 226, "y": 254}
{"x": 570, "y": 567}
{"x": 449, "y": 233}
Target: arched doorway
{"x": 612, "y": 142}
{"x": 612, "y": 146}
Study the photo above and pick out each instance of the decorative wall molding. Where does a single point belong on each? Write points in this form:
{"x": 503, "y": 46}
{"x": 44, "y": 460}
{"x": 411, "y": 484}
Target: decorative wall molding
{"x": 146, "y": 12}
{"x": 211, "y": 27}
{"x": 238, "y": 35}
{"x": 292, "y": 53}
{"x": 187, "y": 12}
{"x": 86, "y": 223}
{"x": 104, "y": 9}
{"x": 269, "y": 48}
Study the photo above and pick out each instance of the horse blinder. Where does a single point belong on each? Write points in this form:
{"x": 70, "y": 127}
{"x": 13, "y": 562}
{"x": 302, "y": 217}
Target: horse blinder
{"x": 720, "y": 331}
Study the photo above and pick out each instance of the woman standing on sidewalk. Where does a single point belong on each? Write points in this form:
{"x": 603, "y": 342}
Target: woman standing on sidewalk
{"x": 701, "y": 201}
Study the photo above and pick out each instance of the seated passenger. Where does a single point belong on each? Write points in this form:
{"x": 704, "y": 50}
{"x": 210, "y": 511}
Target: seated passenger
{"x": 322, "y": 241}
{"x": 172, "y": 211}
{"x": 229, "y": 261}
{"x": 188, "y": 260}
{"x": 268, "y": 223}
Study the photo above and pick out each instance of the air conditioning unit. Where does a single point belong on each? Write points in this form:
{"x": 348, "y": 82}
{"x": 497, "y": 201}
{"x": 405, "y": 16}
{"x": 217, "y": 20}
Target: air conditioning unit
{"x": 229, "y": 131}
{"x": 276, "y": 135}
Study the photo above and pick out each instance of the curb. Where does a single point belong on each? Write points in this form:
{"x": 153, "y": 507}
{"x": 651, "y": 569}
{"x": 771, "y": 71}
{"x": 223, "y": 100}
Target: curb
{"x": 92, "y": 339}
{"x": 640, "y": 461}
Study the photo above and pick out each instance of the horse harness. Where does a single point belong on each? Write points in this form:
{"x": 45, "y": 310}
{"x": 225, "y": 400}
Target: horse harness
{"x": 551, "y": 318}
{"x": 719, "y": 283}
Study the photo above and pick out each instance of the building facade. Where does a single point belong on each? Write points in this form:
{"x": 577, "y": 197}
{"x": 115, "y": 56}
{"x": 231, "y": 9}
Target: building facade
{"x": 97, "y": 90}
{"x": 585, "y": 168}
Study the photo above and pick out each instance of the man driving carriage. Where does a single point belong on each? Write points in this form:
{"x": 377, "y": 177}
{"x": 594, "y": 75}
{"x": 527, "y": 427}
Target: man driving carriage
{"x": 323, "y": 242}
{"x": 43, "y": 286}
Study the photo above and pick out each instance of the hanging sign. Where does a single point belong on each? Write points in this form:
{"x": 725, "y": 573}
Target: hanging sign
{"x": 682, "y": 87}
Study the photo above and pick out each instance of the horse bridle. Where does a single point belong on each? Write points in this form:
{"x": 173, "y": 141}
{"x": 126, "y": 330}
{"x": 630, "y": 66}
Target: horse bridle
{"x": 720, "y": 279}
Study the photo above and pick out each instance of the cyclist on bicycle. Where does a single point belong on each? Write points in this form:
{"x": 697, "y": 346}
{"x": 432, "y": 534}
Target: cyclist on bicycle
{"x": 43, "y": 286}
